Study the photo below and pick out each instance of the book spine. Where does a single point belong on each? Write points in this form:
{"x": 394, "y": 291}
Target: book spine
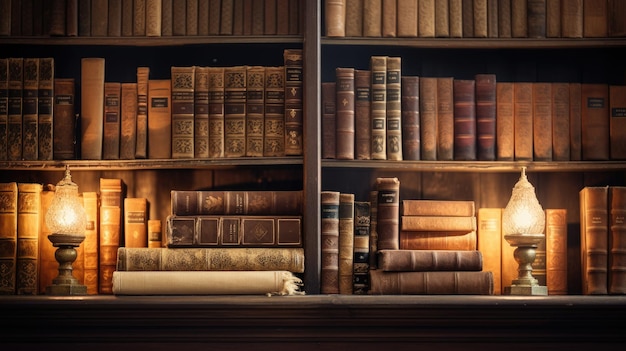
{"x": 135, "y": 222}
{"x": 335, "y": 18}
{"x": 542, "y": 121}
{"x": 259, "y": 202}
{"x": 594, "y": 240}
{"x": 432, "y": 283}
{"x": 595, "y": 125}
{"x": 179, "y": 18}
{"x": 258, "y": 16}
{"x": 617, "y": 18}
{"x": 438, "y": 223}
{"x": 556, "y": 251}
{"x": 354, "y": 18}
{"x": 428, "y": 118}
{"x": 595, "y": 19}
{"x": 536, "y": 17}
{"x": 294, "y": 90}
{"x": 183, "y": 83}
{"x": 492, "y": 19}
{"x": 4, "y": 100}
{"x": 480, "y": 18}
{"x": 84, "y": 18}
{"x": 48, "y": 265}
{"x": 203, "y": 18}
{"x": 255, "y": 106}
{"x": 91, "y": 243}
{"x": 486, "y": 117}
{"x": 99, "y": 18}
{"x": 167, "y": 10}
{"x": 560, "y": 122}
{"x": 346, "y": 242}
{"x": 114, "y": 25}
{"x": 617, "y": 242}
{"x": 437, "y": 240}
{"x": 201, "y": 113}
{"x": 45, "y": 108}
{"x": 8, "y": 237}
{"x": 408, "y": 18}
{"x": 468, "y": 18}
{"x": 505, "y": 125}
{"x": 92, "y": 108}
{"x": 553, "y": 18}
{"x": 127, "y": 18}
{"x": 459, "y": 208}
{"x": 442, "y": 19}
{"x": 464, "y": 119}
{"x": 444, "y": 116}
{"x": 504, "y": 18}
{"x": 617, "y": 122}
{"x": 329, "y": 130}
{"x": 128, "y": 123}
{"x": 344, "y": 113}
{"x": 519, "y": 18}
{"x": 523, "y": 120}
{"x": 572, "y": 18}
{"x": 28, "y": 227}
{"x": 388, "y": 213}
{"x": 329, "y": 276}
{"x": 378, "y": 67}
{"x": 455, "y": 12}
{"x": 141, "y": 146}
{"x": 111, "y": 208}
{"x": 372, "y": 18}
{"x": 426, "y": 19}
{"x": 394, "y": 108}
{"x": 575, "y": 120}
{"x": 235, "y": 111}
{"x": 216, "y": 112}
{"x": 160, "y": 119}
{"x": 361, "y": 260}
{"x": 430, "y": 260}
{"x": 274, "y": 112}
{"x": 30, "y": 114}
{"x": 270, "y": 17}
{"x": 154, "y": 14}
{"x": 362, "y": 115}
{"x": 112, "y": 121}
{"x": 155, "y": 234}
{"x": 14, "y": 109}
{"x": 5, "y": 18}
{"x": 191, "y": 17}
{"x": 410, "y": 118}
{"x": 489, "y": 243}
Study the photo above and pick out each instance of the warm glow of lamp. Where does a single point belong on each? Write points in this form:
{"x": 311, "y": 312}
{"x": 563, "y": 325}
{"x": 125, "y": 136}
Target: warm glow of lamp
{"x": 66, "y": 218}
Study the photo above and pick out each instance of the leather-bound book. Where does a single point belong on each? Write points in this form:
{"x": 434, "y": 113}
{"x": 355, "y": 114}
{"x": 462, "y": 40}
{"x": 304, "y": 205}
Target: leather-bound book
{"x": 556, "y": 251}
{"x": 560, "y": 122}
{"x": 617, "y": 122}
{"x": 445, "y": 118}
{"x": 5, "y": 18}
{"x": 115, "y": 19}
{"x": 269, "y": 21}
{"x": 294, "y": 91}
{"x": 160, "y": 119}
{"x": 372, "y": 18}
{"x": 282, "y": 16}
{"x": 226, "y": 17}
{"x": 388, "y": 219}
{"x": 201, "y": 113}
{"x": 594, "y": 238}
{"x": 492, "y": 19}
{"x": 451, "y": 208}
{"x": 111, "y": 207}
{"x": 519, "y": 18}
{"x": 155, "y": 234}
{"x": 216, "y": 112}
{"x": 542, "y": 121}
{"x": 112, "y": 121}
{"x": 553, "y": 18}
{"x": 432, "y": 283}
{"x": 128, "y": 125}
{"x": 346, "y": 242}
{"x": 30, "y": 114}
{"x": 335, "y": 18}
{"x": 258, "y": 17}
{"x": 45, "y": 108}
{"x": 28, "y": 228}
{"x": 407, "y": 18}
{"x": 183, "y": 84}
{"x": 361, "y": 260}
{"x": 523, "y": 120}
{"x": 99, "y": 18}
{"x": 329, "y": 249}
{"x": 426, "y": 19}
{"x": 231, "y": 202}
{"x": 203, "y": 17}
{"x": 428, "y": 118}
{"x": 14, "y": 108}
{"x": 480, "y": 18}
{"x": 389, "y": 18}
{"x": 572, "y": 18}
{"x": 128, "y": 17}
{"x": 84, "y": 18}
{"x": 438, "y": 240}
{"x": 504, "y": 18}
{"x": 505, "y": 130}
{"x": 575, "y": 120}
{"x": 8, "y": 237}
{"x": 255, "y": 107}
{"x": 464, "y": 119}
{"x": 410, "y": 118}
{"x": 595, "y": 19}
{"x": 617, "y": 245}
{"x": 362, "y": 114}
{"x": 455, "y": 9}
{"x": 16, "y": 18}
{"x": 4, "y": 99}
{"x": 91, "y": 244}
{"x": 64, "y": 120}
{"x": 489, "y": 243}
{"x": 536, "y": 12}
{"x": 139, "y": 17}
{"x": 167, "y": 9}
{"x": 394, "y": 108}
{"x": 442, "y": 19}
{"x": 274, "y": 111}
{"x": 179, "y": 17}
{"x": 57, "y": 17}
{"x": 429, "y": 260}
{"x": 92, "y": 108}
{"x": 438, "y": 223}
{"x": 154, "y": 16}
{"x": 468, "y": 18}
{"x": 373, "y": 199}
{"x": 486, "y": 117}
{"x": 378, "y": 67}
{"x": 616, "y": 10}
{"x": 141, "y": 146}
{"x": 235, "y": 111}
{"x": 344, "y": 113}
{"x": 595, "y": 123}
{"x": 329, "y": 129}
{"x": 191, "y": 18}
{"x": 215, "y": 13}
{"x": 135, "y": 222}
{"x": 295, "y": 16}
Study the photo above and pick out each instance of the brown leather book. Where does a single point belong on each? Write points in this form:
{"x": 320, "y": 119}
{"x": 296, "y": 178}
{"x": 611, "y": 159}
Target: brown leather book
{"x": 407, "y": 18}
{"x": 373, "y": 199}
{"x": 57, "y": 17}
{"x": 155, "y": 234}
{"x": 160, "y": 119}
{"x": 294, "y": 91}
{"x": 135, "y": 222}
{"x": 28, "y": 228}
{"x": 595, "y": 19}
{"x": 282, "y": 17}
{"x": 519, "y": 19}
{"x": 295, "y": 17}
{"x": 4, "y": 113}
{"x": 556, "y": 251}
{"x": 329, "y": 129}
{"x": 215, "y": 14}
{"x": 594, "y": 236}
{"x": 426, "y": 19}
{"x": 442, "y": 19}
{"x": 362, "y": 114}
{"x": 231, "y": 202}
{"x": 92, "y": 108}
{"x": 235, "y": 111}
{"x": 431, "y": 283}
{"x": 216, "y": 112}
{"x": 45, "y": 110}
{"x": 111, "y": 207}
{"x": 536, "y": 13}
{"x": 99, "y": 18}
{"x": 30, "y": 113}
{"x": 274, "y": 111}
{"x": 183, "y": 84}
{"x": 595, "y": 121}
{"x": 361, "y": 265}
{"x": 258, "y": 17}
{"x": 154, "y": 14}
{"x": 542, "y": 121}
{"x": 378, "y": 67}
{"x": 523, "y": 120}
{"x": 255, "y": 108}
{"x": 560, "y": 122}
{"x": 389, "y": 18}
{"x": 372, "y": 18}
{"x": 445, "y": 118}
{"x": 572, "y": 18}
{"x": 112, "y": 121}
{"x": 167, "y": 17}
{"x": 354, "y": 18}
{"x": 269, "y": 21}
{"x": 115, "y": 19}
{"x": 64, "y": 119}
{"x": 504, "y": 18}
{"x": 15, "y": 86}
{"x": 428, "y": 118}
{"x": 489, "y": 243}
{"x": 410, "y": 118}
{"x": 329, "y": 247}
{"x": 8, "y": 236}
{"x": 616, "y": 245}
{"x": 492, "y": 19}
{"x": 5, "y": 18}
{"x": 139, "y": 17}
{"x": 346, "y": 242}
{"x": 438, "y": 223}
{"x": 617, "y": 122}
{"x": 418, "y": 207}
{"x": 203, "y": 17}
{"x": 394, "y": 108}
{"x": 388, "y": 226}
{"x": 616, "y": 10}
{"x": 429, "y": 260}
{"x": 553, "y": 18}
{"x": 468, "y": 18}
{"x": 128, "y": 123}
{"x": 179, "y": 17}
{"x": 201, "y": 113}
{"x": 575, "y": 121}
{"x": 335, "y": 18}
{"x": 128, "y": 17}
{"x": 141, "y": 145}
{"x": 455, "y": 12}
{"x": 437, "y": 240}
{"x": 16, "y": 18}
{"x": 91, "y": 243}
{"x": 226, "y": 18}
{"x": 345, "y": 113}
{"x": 480, "y": 18}
{"x": 486, "y": 116}
{"x": 464, "y": 119}
{"x": 505, "y": 148}
{"x": 191, "y": 18}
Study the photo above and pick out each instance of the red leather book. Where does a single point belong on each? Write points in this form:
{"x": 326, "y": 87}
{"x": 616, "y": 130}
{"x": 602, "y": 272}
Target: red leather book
{"x": 464, "y": 119}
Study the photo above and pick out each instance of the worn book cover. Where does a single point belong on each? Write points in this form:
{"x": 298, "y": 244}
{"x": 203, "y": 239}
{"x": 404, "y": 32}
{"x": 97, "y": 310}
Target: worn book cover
{"x": 560, "y": 122}
{"x": 536, "y": 14}
{"x": 344, "y": 113}
{"x": 4, "y": 113}
{"x": 388, "y": 226}
{"x": 255, "y": 105}
{"x": 216, "y": 112}
{"x": 438, "y": 223}
{"x": 274, "y": 112}
{"x": 394, "y": 108}
{"x": 354, "y": 18}
{"x": 128, "y": 123}
{"x": 486, "y": 116}
{"x": 183, "y": 83}
{"x": 247, "y": 202}
{"x": 410, "y": 104}
{"x": 329, "y": 244}
{"x": 423, "y": 207}
{"x": 28, "y": 228}
{"x": 346, "y": 242}
{"x": 361, "y": 260}
{"x": 595, "y": 19}
{"x": 155, "y": 233}
{"x": 408, "y": 18}
{"x": 432, "y": 283}
{"x": 505, "y": 130}
{"x": 426, "y": 19}
{"x": 445, "y": 118}
{"x": 329, "y": 128}
{"x": 235, "y": 111}
{"x": 575, "y": 120}
{"x": 111, "y": 236}
{"x": 136, "y": 222}
{"x": 428, "y": 118}
{"x": 556, "y": 251}
{"x": 141, "y": 145}
{"x": 8, "y": 237}
{"x": 523, "y": 120}
{"x": 362, "y": 114}
{"x": 201, "y": 113}
{"x": 294, "y": 90}
{"x": 594, "y": 238}
{"x": 430, "y": 260}
{"x": 595, "y": 122}
{"x": 617, "y": 122}
{"x": 91, "y": 243}
{"x": 372, "y": 18}
{"x": 335, "y": 18}
{"x": 378, "y": 67}
{"x": 14, "y": 108}
{"x": 542, "y": 121}
{"x": 45, "y": 108}
{"x": 437, "y": 240}
{"x": 572, "y": 18}
{"x": 464, "y": 91}
{"x": 30, "y": 107}
{"x": 616, "y": 244}
{"x": 159, "y": 118}
{"x": 489, "y": 243}
{"x": 112, "y": 121}
{"x": 92, "y": 108}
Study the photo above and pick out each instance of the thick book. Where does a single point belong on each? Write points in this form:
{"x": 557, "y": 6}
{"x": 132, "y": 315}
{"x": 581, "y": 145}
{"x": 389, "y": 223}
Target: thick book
{"x": 14, "y": 108}
{"x": 246, "y": 202}
{"x": 92, "y": 108}
{"x": 445, "y": 118}
{"x": 99, "y": 18}
{"x": 426, "y": 19}
{"x": 553, "y": 18}
{"x": 428, "y": 118}
{"x": 542, "y": 121}
{"x": 141, "y": 145}
{"x": 389, "y": 18}
{"x": 617, "y": 18}
{"x": 167, "y": 26}
{"x": 191, "y": 18}
{"x": 28, "y": 228}
{"x": 595, "y": 125}
{"x": 504, "y": 18}
{"x": 464, "y": 119}
{"x": 110, "y": 222}
{"x": 30, "y": 114}
{"x": 594, "y": 237}
{"x": 329, "y": 129}
{"x": 595, "y": 19}
{"x": 394, "y": 108}
{"x": 480, "y": 18}
{"x": 388, "y": 213}
{"x": 91, "y": 243}
{"x": 215, "y": 15}
{"x": 407, "y": 18}
{"x": 438, "y": 223}
{"x": 378, "y": 67}
{"x": 5, "y": 18}
{"x": 346, "y": 242}
{"x": 519, "y": 18}
{"x": 112, "y": 121}
{"x": 429, "y": 260}
{"x": 258, "y": 17}
{"x": 216, "y": 112}
{"x": 344, "y": 113}
{"x": 431, "y": 283}
{"x": 128, "y": 18}
{"x": 274, "y": 111}
{"x": 372, "y": 18}
{"x": 467, "y": 18}
{"x": 450, "y": 208}
{"x": 410, "y": 118}
{"x": 486, "y": 117}
{"x": 183, "y": 83}
{"x": 442, "y": 19}
{"x": 114, "y": 25}
{"x": 536, "y": 18}
{"x": 335, "y": 18}
{"x": 255, "y": 107}
{"x": 8, "y": 237}
{"x": 71, "y": 22}
{"x": 437, "y": 240}
{"x": 45, "y": 109}
{"x": 201, "y": 113}
{"x": 373, "y": 199}
{"x": 505, "y": 130}
{"x": 556, "y": 251}
{"x": 139, "y": 17}
{"x": 361, "y": 260}
{"x": 233, "y": 231}
{"x": 523, "y": 120}
{"x": 489, "y": 243}
{"x": 617, "y": 240}
{"x": 492, "y": 19}
{"x": 4, "y": 100}
{"x": 455, "y": 12}
{"x": 155, "y": 233}
{"x": 84, "y": 18}
{"x": 235, "y": 111}
{"x": 159, "y": 119}
{"x": 561, "y": 121}
{"x": 572, "y": 18}
{"x": 203, "y": 17}
{"x": 179, "y": 18}
{"x": 329, "y": 243}
{"x": 136, "y": 222}
{"x": 294, "y": 91}
{"x": 362, "y": 114}
{"x": 128, "y": 120}
{"x": 575, "y": 120}
{"x": 282, "y": 16}
{"x": 617, "y": 121}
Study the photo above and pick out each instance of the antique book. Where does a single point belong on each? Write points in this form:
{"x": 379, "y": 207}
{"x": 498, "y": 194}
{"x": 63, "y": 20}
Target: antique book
{"x": 91, "y": 243}
{"x": 388, "y": 226}
{"x": 155, "y": 233}
{"x": 28, "y": 228}
{"x": 294, "y": 91}
{"x": 445, "y": 118}
{"x": 616, "y": 10}
{"x": 539, "y": 264}
{"x": 617, "y": 121}
{"x": 203, "y": 17}
{"x": 455, "y": 12}
{"x": 329, "y": 244}
{"x": 269, "y": 20}
{"x": 179, "y": 17}
{"x": 99, "y": 18}
{"x": 373, "y": 199}
{"x": 438, "y": 240}
{"x": 389, "y": 18}
{"x": 519, "y": 18}
{"x": 255, "y": 108}
{"x": 560, "y": 122}
{"x": 141, "y": 145}
{"x": 431, "y": 283}
{"x": 154, "y": 14}
{"x": 556, "y": 251}
{"x": 206, "y": 283}
{"x": 394, "y": 108}
{"x": 594, "y": 239}
{"x": 139, "y": 17}
{"x": 428, "y": 118}
{"x": 226, "y": 17}
{"x": 489, "y": 243}
{"x": 595, "y": 123}
{"x": 258, "y": 17}
{"x": 14, "y": 108}
{"x": 135, "y": 222}
{"x": 442, "y": 19}
{"x": 536, "y": 18}
{"x": 84, "y": 18}
{"x": 4, "y": 100}
{"x": 5, "y": 18}
{"x": 45, "y": 108}
{"x": 553, "y": 18}
{"x": 426, "y": 19}
{"x": 523, "y": 120}
{"x": 486, "y": 117}
{"x": 30, "y": 114}
{"x": 616, "y": 243}
{"x": 372, "y": 18}
{"x": 191, "y": 17}
{"x": 344, "y": 113}
{"x": 167, "y": 10}
{"x": 159, "y": 118}
{"x": 542, "y": 121}
{"x": 505, "y": 130}
{"x": 8, "y": 237}
{"x": 329, "y": 129}
{"x": 233, "y": 231}
{"x": 114, "y": 25}
{"x": 438, "y": 223}
{"x": 346, "y": 242}
{"x": 92, "y": 107}
{"x": 464, "y": 119}
{"x": 362, "y": 114}
{"x": 429, "y": 260}
{"x": 128, "y": 18}
{"x": 110, "y": 221}
{"x": 201, "y": 112}
{"x": 216, "y": 112}
{"x": 468, "y": 18}
{"x": 410, "y": 104}
{"x": 504, "y": 18}
{"x": 361, "y": 260}
{"x": 128, "y": 121}
{"x": 282, "y": 16}
{"x": 407, "y": 18}
{"x": 450, "y": 208}
{"x": 215, "y": 13}
{"x": 572, "y": 18}
{"x": 378, "y": 67}
{"x": 296, "y": 19}
{"x": 183, "y": 83}
{"x": 247, "y": 202}
{"x": 335, "y": 18}
{"x": 492, "y": 19}
{"x": 235, "y": 111}
{"x": 480, "y": 18}
{"x": 575, "y": 120}
{"x": 274, "y": 111}
{"x": 112, "y": 121}
{"x": 595, "y": 19}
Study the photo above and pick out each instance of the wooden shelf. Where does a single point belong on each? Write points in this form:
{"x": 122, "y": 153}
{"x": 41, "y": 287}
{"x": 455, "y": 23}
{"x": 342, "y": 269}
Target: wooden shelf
{"x": 151, "y": 41}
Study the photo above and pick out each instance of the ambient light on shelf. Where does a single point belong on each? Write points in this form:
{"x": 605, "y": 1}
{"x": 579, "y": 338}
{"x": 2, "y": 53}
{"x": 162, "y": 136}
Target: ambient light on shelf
{"x": 67, "y": 220}
{"x": 523, "y": 224}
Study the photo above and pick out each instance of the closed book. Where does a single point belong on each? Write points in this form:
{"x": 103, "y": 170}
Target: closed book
{"x": 226, "y": 17}
{"x": 92, "y": 108}
{"x": 210, "y": 259}
{"x": 329, "y": 243}
{"x": 5, "y": 18}
{"x": 155, "y": 234}
{"x": 295, "y": 17}
{"x": 16, "y": 18}
{"x": 372, "y": 18}
{"x": 445, "y": 118}
{"x": 537, "y": 24}
{"x": 438, "y": 223}
{"x": 235, "y": 111}
{"x": 99, "y": 18}
{"x": 112, "y": 121}
{"x": 394, "y": 108}
{"x": 388, "y": 226}
{"x": 455, "y": 12}
{"x": 84, "y": 18}
{"x": 247, "y": 202}
{"x": 91, "y": 244}
{"x": 183, "y": 111}
{"x": 201, "y": 113}
{"x": 216, "y": 112}
{"x": 595, "y": 125}
{"x": 4, "y": 100}
{"x": 504, "y": 18}
{"x": 8, "y": 237}
{"x": 575, "y": 121}
{"x": 428, "y": 118}
{"x": 373, "y": 199}
{"x": 442, "y": 19}
{"x": 203, "y": 17}
{"x": 523, "y": 120}
{"x": 294, "y": 91}
{"x": 486, "y": 117}
{"x": 215, "y": 14}
{"x": 595, "y": 19}
{"x": 269, "y": 20}
{"x": 191, "y": 18}
{"x": 136, "y": 222}
{"x": 159, "y": 119}
{"x": 141, "y": 145}
{"x": 489, "y": 243}
{"x": 594, "y": 238}
{"x": 542, "y": 121}
{"x": 492, "y": 19}
{"x": 361, "y": 260}
{"x": 346, "y": 242}
{"x": 45, "y": 108}
{"x": 389, "y": 18}
{"x": 426, "y": 19}
{"x": 127, "y": 18}
{"x": 255, "y": 106}
{"x": 114, "y": 25}
{"x": 431, "y": 283}
{"x": 344, "y": 113}
{"x": 167, "y": 9}
{"x": 28, "y": 228}
{"x": 128, "y": 122}
{"x": 258, "y": 16}
{"x": 556, "y": 251}
{"x": 335, "y": 18}
{"x": 616, "y": 10}
{"x": 429, "y": 260}
{"x": 553, "y": 18}
{"x": 274, "y": 111}
{"x": 450, "y": 208}
{"x": 362, "y": 114}
{"x": 30, "y": 113}
{"x": 438, "y": 240}
{"x": 617, "y": 243}
{"x": 110, "y": 223}
{"x": 519, "y": 18}
{"x": 560, "y": 122}
{"x": 282, "y": 16}
{"x": 480, "y": 18}
{"x": 468, "y": 18}
{"x": 15, "y": 108}
{"x": 139, "y": 17}
{"x": 464, "y": 119}
{"x": 233, "y": 231}
{"x": 617, "y": 122}
{"x": 329, "y": 129}
{"x": 572, "y": 18}
{"x": 154, "y": 16}
{"x": 408, "y": 18}
{"x": 378, "y": 67}
{"x": 410, "y": 118}
{"x": 505, "y": 130}
{"x": 179, "y": 17}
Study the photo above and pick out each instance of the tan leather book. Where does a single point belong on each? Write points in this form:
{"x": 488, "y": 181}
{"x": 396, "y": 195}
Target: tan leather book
{"x": 616, "y": 246}
{"x": 438, "y": 223}
{"x": 442, "y": 19}
{"x": 519, "y": 18}
{"x": 183, "y": 84}
{"x": 431, "y": 283}
{"x": 179, "y": 17}
{"x": 112, "y": 121}
{"x": 115, "y": 19}
{"x": 139, "y": 17}
{"x": 445, "y": 119}
{"x": 492, "y": 19}
{"x": 135, "y": 222}
{"x": 437, "y": 240}
{"x": 378, "y": 67}
{"x": 542, "y": 121}
{"x": 159, "y": 118}
{"x": 428, "y": 118}
{"x": 30, "y": 107}
{"x": 201, "y": 112}
{"x": 141, "y": 146}
{"x": 155, "y": 233}
{"x": 45, "y": 110}
{"x": 575, "y": 120}
{"x": 216, "y": 112}
{"x": 556, "y": 251}
{"x": 354, "y": 18}
{"x": 191, "y": 17}
{"x": 388, "y": 226}
{"x": 480, "y": 18}
{"x": 346, "y": 242}
{"x": 572, "y": 18}
{"x": 231, "y": 202}
{"x": 128, "y": 17}
{"x": 426, "y": 19}
{"x": 92, "y": 108}
{"x": 226, "y": 17}
{"x": 64, "y": 119}
{"x": 394, "y": 108}
{"x": 430, "y": 260}
{"x": 329, "y": 249}
{"x": 203, "y": 17}
{"x": 99, "y": 18}
{"x": 28, "y": 228}
{"x": 389, "y": 18}
{"x": 128, "y": 123}
{"x": 361, "y": 265}
{"x": 235, "y": 111}
{"x": 464, "y": 92}
{"x": 489, "y": 243}
{"x": 167, "y": 18}
{"x": 407, "y": 18}
{"x": 335, "y": 18}
{"x": 362, "y": 114}
{"x": 153, "y": 18}
{"x": 536, "y": 23}
{"x": 560, "y": 122}
{"x": 504, "y": 18}
{"x": 594, "y": 236}
{"x": 215, "y": 14}
{"x": 453, "y": 208}
{"x": 410, "y": 118}
{"x": 486, "y": 116}
{"x": 595, "y": 19}
{"x": 595, "y": 123}
{"x": 8, "y": 236}
{"x": 294, "y": 92}
{"x": 455, "y": 12}
{"x": 553, "y": 18}
{"x": 617, "y": 122}
{"x": 616, "y": 10}
{"x": 274, "y": 111}
{"x": 91, "y": 243}
{"x": 372, "y": 18}
{"x": 505, "y": 130}
{"x": 258, "y": 17}
{"x": 329, "y": 128}
{"x": 255, "y": 107}
{"x": 111, "y": 206}
{"x": 468, "y": 18}
{"x": 282, "y": 16}
{"x": 269, "y": 21}
{"x": 523, "y": 120}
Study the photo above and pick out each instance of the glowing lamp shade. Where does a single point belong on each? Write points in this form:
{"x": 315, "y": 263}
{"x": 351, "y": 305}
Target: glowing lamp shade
{"x": 66, "y": 214}
{"x": 523, "y": 214}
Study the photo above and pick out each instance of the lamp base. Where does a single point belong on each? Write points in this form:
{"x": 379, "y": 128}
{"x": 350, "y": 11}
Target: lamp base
{"x": 526, "y": 290}
{"x": 66, "y": 290}
{"x": 526, "y": 246}
{"x": 65, "y": 284}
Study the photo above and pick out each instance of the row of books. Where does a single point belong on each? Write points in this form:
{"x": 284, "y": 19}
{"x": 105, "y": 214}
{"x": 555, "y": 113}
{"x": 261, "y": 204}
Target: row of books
{"x": 475, "y": 18}
{"x": 380, "y": 114}
{"x": 151, "y": 18}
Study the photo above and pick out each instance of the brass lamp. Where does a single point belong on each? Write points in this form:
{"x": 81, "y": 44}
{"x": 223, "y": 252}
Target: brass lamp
{"x": 523, "y": 224}
{"x": 67, "y": 220}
